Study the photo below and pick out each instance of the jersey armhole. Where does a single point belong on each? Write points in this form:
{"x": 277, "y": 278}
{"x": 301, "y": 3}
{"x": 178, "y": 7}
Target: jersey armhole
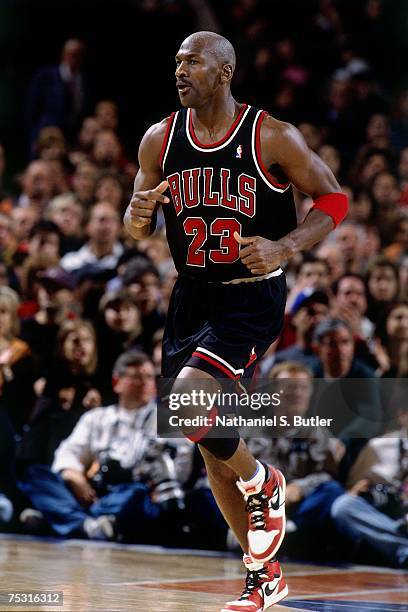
{"x": 167, "y": 140}
{"x": 257, "y": 154}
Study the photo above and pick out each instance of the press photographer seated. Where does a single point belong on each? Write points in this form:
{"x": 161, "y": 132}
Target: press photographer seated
{"x": 97, "y": 485}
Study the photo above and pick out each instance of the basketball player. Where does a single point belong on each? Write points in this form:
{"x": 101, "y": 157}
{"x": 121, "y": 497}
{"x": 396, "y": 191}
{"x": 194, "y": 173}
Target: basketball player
{"x": 231, "y": 224}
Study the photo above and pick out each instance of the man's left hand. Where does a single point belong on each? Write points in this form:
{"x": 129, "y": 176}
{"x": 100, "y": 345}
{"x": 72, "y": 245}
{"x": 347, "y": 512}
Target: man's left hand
{"x": 261, "y": 255}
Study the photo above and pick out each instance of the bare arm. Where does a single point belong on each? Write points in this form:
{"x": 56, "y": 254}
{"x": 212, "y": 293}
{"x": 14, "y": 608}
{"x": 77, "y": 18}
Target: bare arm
{"x": 148, "y": 187}
{"x": 282, "y": 144}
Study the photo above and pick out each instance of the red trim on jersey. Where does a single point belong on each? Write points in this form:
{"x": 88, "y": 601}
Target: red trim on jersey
{"x": 258, "y": 153}
{"x": 166, "y": 139}
{"x": 213, "y": 145}
{"x": 198, "y": 435}
{"x": 333, "y": 204}
{"x": 216, "y": 364}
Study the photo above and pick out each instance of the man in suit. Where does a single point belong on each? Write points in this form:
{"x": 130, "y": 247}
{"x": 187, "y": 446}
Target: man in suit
{"x": 57, "y": 93}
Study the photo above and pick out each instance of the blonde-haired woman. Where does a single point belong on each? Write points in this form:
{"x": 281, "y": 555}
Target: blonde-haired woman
{"x": 16, "y": 363}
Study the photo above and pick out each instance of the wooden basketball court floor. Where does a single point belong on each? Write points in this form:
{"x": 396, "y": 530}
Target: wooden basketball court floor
{"x": 114, "y": 577}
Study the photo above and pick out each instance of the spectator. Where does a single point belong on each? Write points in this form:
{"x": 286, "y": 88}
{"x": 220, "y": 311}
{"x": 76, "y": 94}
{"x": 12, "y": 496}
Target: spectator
{"x": 372, "y": 515}
{"x": 110, "y": 188}
{"x": 36, "y": 185}
{"x": 75, "y": 363}
{"x": 350, "y": 305}
{"x": 355, "y": 410}
{"x": 398, "y": 236}
{"x": 45, "y": 240}
{"x": 58, "y": 94}
{"x": 16, "y": 363}
{"x": 383, "y": 288}
{"x": 50, "y": 144}
{"x": 119, "y": 329}
{"x": 107, "y": 151}
{"x": 392, "y": 332}
{"x": 22, "y": 222}
{"x": 56, "y": 304}
{"x": 116, "y": 438}
{"x": 331, "y": 253}
{"x": 102, "y": 248}
{"x": 8, "y": 243}
{"x": 309, "y": 309}
{"x": 6, "y": 202}
{"x": 84, "y": 181}
{"x": 142, "y": 281}
{"x": 106, "y": 114}
{"x": 67, "y": 213}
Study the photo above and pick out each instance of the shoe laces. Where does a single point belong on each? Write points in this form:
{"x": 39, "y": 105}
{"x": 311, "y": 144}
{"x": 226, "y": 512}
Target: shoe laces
{"x": 253, "y": 581}
{"x": 255, "y": 506}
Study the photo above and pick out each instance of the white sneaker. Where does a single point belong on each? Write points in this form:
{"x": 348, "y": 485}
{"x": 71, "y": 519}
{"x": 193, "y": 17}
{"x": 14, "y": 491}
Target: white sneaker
{"x": 100, "y": 528}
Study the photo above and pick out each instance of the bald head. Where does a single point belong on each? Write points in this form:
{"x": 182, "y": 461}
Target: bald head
{"x": 213, "y": 43}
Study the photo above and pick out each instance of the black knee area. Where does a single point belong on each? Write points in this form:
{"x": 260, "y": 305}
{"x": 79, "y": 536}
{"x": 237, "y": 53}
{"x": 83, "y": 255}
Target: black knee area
{"x": 221, "y": 448}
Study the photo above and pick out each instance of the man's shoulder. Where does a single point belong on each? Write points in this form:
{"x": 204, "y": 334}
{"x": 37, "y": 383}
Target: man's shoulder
{"x": 100, "y": 413}
{"x": 157, "y": 131}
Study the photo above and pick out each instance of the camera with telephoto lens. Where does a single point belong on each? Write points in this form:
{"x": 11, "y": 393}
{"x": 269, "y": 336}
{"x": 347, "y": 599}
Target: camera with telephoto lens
{"x": 110, "y": 473}
{"x": 159, "y": 474}
{"x": 386, "y": 499}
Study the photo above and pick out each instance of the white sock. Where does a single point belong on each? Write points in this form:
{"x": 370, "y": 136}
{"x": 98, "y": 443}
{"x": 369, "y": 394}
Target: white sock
{"x": 254, "y": 485}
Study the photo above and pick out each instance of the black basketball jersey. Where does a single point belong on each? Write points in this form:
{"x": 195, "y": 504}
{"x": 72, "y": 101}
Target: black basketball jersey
{"x": 219, "y": 189}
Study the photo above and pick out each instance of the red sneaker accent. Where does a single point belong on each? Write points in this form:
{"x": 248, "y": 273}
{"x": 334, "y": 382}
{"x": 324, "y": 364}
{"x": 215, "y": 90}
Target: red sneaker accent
{"x": 266, "y": 517}
{"x": 263, "y": 588}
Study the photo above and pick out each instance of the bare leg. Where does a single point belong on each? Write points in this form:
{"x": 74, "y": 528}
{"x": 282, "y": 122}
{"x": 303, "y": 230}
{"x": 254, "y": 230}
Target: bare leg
{"x": 222, "y": 475}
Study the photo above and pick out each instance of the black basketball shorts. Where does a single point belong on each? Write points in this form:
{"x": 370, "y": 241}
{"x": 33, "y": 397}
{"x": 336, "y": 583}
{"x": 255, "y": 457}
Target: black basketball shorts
{"x": 222, "y": 329}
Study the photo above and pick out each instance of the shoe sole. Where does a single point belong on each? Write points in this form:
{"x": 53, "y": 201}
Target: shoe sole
{"x": 276, "y": 548}
{"x": 276, "y": 600}
{"x": 279, "y": 597}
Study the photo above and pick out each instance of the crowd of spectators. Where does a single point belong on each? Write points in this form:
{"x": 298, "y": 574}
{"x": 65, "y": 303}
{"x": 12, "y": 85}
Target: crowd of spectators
{"x": 82, "y": 307}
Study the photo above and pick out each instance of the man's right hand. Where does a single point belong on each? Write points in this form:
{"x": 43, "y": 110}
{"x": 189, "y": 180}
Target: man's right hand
{"x": 143, "y": 203}
{"x": 80, "y": 487}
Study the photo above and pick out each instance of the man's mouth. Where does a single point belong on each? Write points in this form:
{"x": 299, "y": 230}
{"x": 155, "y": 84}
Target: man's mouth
{"x": 183, "y": 87}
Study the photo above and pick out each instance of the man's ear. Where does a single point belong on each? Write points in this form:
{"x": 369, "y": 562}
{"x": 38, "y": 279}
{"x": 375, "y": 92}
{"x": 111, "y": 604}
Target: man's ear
{"x": 226, "y": 73}
{"x": 115, "y": 380}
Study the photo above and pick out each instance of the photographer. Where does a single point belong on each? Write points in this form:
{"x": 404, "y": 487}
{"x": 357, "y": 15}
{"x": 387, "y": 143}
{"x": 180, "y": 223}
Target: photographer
{"x": 98, "y": 485}
{"x": 373, "y": 514}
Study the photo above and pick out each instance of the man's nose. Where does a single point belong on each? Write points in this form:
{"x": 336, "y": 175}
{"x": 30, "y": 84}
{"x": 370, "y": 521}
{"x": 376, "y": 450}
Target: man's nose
{"x": 181, "y": 69}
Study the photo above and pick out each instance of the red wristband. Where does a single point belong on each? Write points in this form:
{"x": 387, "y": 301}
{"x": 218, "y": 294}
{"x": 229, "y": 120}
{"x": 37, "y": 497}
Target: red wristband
{"x": 333, "y": 204}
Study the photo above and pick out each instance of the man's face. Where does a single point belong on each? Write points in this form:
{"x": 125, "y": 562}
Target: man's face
{"x": 397, "y": 322}
{"x": 336, "y": 351}
{"x": 44, "y": 243}
{"x": 383, "y": 284}
{"x": 314, "y": 274}
{"x": 122, "y": 316}
{"x": 138, "y": 383}
{"x": 23, "y": 220}
{"x": 297, "y": 393}
{"x": 37, "y": 182}
{"x": 103, "y": 224}
{"x": 198, "y": 74}
{"x": 84, "y": 180}
{"x": 106, "y": 148}
{"x": 351, "y": 293}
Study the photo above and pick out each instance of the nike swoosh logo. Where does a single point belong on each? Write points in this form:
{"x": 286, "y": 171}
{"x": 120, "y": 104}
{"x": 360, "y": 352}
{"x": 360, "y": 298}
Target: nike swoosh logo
{"x": 268, "y": 591}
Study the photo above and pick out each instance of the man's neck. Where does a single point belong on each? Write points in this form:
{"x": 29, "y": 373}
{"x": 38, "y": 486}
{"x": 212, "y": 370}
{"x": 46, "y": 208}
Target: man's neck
{"x": 216, "y": 116}
{"x": 100, "y": 249}
{"x": 130, "y": 405}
